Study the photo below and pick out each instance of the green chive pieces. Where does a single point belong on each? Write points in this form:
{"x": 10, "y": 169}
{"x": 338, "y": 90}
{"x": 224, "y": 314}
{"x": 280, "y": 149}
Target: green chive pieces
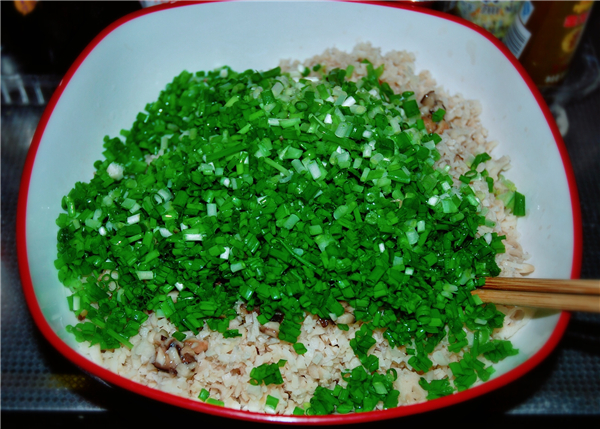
{"x": 292, "y": 196}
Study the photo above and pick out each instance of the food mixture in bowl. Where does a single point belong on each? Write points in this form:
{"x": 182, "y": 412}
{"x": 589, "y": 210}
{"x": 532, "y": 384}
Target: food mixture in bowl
{"x": 298, "y": 241}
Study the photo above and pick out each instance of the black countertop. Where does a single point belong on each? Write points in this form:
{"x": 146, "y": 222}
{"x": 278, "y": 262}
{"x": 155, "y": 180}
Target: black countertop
{"x": 39, "y": 387}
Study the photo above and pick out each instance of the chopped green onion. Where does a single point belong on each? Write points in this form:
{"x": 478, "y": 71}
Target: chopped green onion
{"x": 438, "y": 115}
{"x": 291, "y": 196}
{"x": 519, "y": 205}
{"x": 204, "y": 394}
{"x": 271, "y": 402}
{"x": 216, "y": 402}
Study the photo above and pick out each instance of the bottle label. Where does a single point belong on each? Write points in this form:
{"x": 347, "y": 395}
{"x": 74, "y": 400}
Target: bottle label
{"x": 526, "y": 11}
{"x": 575, "y": 23}
{"x": 495, "y": 16}
{"x": 518, "y": 35}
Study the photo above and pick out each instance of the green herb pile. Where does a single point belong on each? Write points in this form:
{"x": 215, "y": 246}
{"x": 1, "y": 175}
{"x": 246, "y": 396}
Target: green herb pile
{"x": 290, "y": 196}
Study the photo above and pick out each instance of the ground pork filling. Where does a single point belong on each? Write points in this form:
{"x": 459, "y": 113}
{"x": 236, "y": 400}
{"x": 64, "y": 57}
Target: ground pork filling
{"x": 222, "y": 365}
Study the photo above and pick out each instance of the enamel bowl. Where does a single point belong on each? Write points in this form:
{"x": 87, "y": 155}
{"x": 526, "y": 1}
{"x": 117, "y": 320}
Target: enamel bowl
{"x": 130, "y": 62}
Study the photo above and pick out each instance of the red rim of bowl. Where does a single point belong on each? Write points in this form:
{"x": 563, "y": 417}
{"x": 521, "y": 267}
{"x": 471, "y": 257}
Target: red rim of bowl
{"x": 178, "y": 401}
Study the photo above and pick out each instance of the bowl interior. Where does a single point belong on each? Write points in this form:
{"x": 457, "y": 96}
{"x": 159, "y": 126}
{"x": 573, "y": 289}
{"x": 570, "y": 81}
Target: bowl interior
{"x": 131, "y": 64}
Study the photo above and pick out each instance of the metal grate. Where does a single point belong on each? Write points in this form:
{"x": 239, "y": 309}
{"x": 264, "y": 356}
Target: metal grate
{"x": 27, "y": 90}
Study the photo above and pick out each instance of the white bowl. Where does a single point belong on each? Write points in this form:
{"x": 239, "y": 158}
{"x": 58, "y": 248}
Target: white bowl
{"x": 131, "y": 61}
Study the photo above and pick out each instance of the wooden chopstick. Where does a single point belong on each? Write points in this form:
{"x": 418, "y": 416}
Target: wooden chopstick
{"x": 570, "y": 295}
{"x": 568, "y": 286}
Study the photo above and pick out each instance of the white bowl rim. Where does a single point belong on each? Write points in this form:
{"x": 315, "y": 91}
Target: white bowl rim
{"x": 114, "y": 379}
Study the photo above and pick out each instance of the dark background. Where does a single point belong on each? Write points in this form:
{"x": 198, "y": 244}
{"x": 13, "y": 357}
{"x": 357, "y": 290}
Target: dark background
{"x": 39, "y": 387}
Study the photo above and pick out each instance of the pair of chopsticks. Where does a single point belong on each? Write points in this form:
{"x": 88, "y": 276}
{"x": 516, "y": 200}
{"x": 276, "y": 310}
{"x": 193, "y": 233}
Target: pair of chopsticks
{"x": 570, "y": 295}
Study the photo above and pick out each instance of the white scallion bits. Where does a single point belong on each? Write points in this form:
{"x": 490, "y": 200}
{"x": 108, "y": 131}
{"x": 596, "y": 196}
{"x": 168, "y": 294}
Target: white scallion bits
{"x": 133, "y": 219}
{"x": 115, "y": 171}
